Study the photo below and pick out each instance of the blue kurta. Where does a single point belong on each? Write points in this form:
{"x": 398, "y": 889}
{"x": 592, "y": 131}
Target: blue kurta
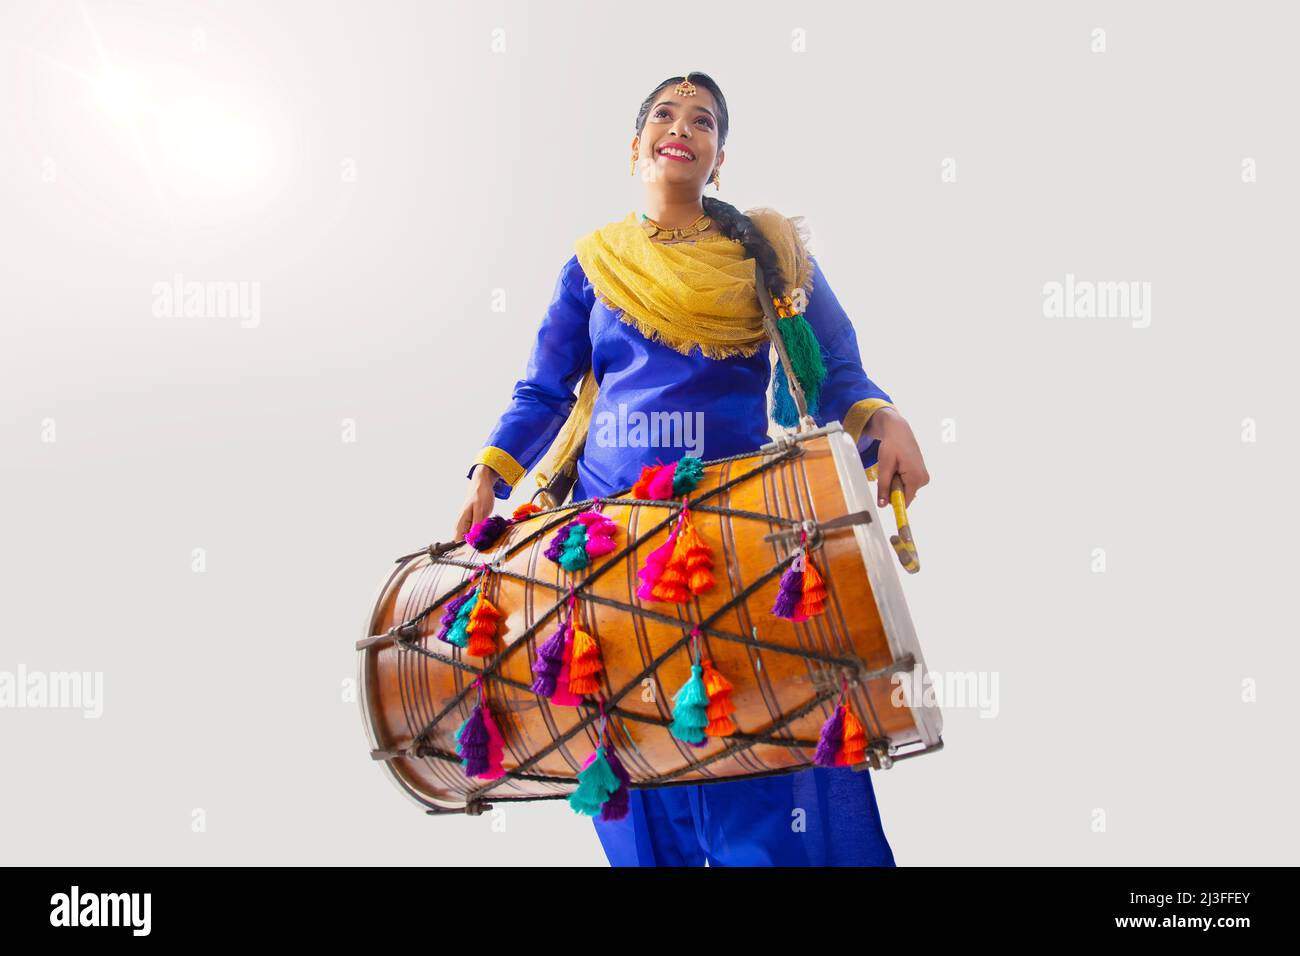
{"x": 656, "y": 405}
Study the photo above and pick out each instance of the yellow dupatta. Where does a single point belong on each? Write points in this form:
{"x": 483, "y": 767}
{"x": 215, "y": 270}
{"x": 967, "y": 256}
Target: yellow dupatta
{"x": 686, "y": 295}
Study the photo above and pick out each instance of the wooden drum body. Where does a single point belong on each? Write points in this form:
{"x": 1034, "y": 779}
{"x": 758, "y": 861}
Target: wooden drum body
{"x": 787, "y": 676}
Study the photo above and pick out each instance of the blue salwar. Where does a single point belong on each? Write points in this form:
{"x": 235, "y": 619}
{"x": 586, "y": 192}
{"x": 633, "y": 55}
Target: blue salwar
{"x": 816, "y": 817}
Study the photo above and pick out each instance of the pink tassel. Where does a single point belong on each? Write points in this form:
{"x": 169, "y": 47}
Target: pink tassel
{"x": 563, "y": 696}
{"x": 655, "y": 563}
{"x": 661, "y": 485}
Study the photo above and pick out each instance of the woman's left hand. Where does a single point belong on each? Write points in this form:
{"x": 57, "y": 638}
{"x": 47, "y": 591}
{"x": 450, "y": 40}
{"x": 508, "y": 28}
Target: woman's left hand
{"x": 899, "y": 455}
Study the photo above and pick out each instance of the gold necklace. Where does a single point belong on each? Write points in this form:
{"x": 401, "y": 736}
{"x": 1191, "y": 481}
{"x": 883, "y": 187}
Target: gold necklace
{"x": 656, "y": 231}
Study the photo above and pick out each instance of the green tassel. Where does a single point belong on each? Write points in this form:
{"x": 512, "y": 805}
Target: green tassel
{"x": 687, "y": 475}
{"x": 596, "y": 784}
{"x": 573, "y": 556}
{"x": 691, "y": 708}
{"x": 805, "y": 356}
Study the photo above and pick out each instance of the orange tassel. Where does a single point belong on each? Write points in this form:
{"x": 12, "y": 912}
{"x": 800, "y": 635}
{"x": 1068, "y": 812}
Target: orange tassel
{"x": 524, "y": 510}
{"x": 642, "y": 487}
{"x": 673, "y": 583}
{"x": 697, "y": 557}
{"x": 585, "y": 664}
{"x": 854, "y": 748}
{"x": 720, "y": 706}
{"x": 812, "y": 599}
{"x": 482, "y": 628}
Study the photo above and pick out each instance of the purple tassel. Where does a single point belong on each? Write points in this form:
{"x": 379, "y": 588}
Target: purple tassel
{"x": 485, "y": 534}
{"x": 557, "y": 542}
{"x": 474, "y": 743}
{"x": 550, "y": 661}
{"x": 616, "y": 807}
{"x": 831, "y": 740}
{"x": 787, "y": 598}
{"x": 452, "y": 608}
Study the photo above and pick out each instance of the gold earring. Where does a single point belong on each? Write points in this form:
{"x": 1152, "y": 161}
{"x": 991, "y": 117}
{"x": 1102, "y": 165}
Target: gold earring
{"x": 631, "y": 169}
{"x": 717, "y": 182}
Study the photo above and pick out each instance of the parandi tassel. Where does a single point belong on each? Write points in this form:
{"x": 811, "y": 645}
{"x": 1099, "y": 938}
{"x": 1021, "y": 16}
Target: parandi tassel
{"x": 805, "y": 353}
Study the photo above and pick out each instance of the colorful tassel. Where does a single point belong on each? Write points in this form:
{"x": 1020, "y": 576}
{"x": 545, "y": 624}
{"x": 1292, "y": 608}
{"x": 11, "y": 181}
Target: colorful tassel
{"x": 655, "y": 563}
{"x": 526, "y": 510}
{"x": 720, "y": 706}
{"x": 550, "y": 662}
{"x": 641, "y": 487}
{"x": 660, "y": 486}
{"x": 600, "y": 535}
{"x": 585, "y": 664}
{"x": 573, "y": 555}
{"x": 790, "y": 589}
{"x": 619, "y": 802}
{"x": 485, "y": 533}
{"x": 843, "y": 741}
{"x": 451, "y": 610}
{"x": 482, "y": 625}
{"x": 479, "y": 743}
{"x": 854, "y": 748}
{"x": 563, "y": 696}
{"x": 690, "y": 708}
{"x": 687, "y": 475}
{"x": 458, "y": 634}
{"x": 805, "y": 354}
{"x": 831, "y": 739}
{"x": 555, "y": 546}
{"x": 812, "y": 595}
{"x": 698, "y": 558}
{"x": 597, "y": 782}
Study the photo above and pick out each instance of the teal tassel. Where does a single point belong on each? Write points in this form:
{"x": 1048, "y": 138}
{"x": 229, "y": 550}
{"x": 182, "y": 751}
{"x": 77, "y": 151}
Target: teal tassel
{"x": 596, "y": 784}
{"x": 784, "y": 411}
{"x": 691, "y": 708}
{"x": 805, "y": 356}
{"x": 459, "y": 633}
{"x": 687, "y": 475}
{"x": 573, "y": 556}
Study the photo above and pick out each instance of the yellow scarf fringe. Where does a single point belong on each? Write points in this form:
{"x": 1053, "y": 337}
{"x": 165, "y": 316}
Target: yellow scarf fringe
{"x": 686, "y": 295}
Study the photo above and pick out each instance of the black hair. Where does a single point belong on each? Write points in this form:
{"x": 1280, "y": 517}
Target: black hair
{"x": 733, "y": 223}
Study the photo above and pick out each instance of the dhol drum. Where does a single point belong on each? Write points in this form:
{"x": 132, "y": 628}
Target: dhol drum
{"x": 804, "y": 497}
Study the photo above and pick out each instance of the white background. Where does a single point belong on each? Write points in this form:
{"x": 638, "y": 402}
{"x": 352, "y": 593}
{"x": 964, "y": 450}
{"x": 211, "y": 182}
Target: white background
{"x": 220, "y": 148}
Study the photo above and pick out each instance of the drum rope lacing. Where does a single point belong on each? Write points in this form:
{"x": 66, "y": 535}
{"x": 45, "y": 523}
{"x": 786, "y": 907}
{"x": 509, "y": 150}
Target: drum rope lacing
{"x": 404, "y": 635}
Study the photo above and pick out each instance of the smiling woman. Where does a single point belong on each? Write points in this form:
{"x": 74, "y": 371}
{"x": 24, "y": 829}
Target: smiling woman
{"x": 662, "y": 315}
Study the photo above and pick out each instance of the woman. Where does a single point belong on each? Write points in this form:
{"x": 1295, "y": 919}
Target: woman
{"x": 660, "y": 315}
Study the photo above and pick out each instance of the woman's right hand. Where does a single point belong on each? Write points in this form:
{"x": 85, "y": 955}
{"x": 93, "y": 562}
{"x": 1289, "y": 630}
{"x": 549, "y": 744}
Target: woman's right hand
{"x": 480, "y": 500}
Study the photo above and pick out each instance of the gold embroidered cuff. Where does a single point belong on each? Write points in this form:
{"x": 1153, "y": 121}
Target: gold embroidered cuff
{"x": 859, "y": 413}
{"x": 503, "y": 463}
